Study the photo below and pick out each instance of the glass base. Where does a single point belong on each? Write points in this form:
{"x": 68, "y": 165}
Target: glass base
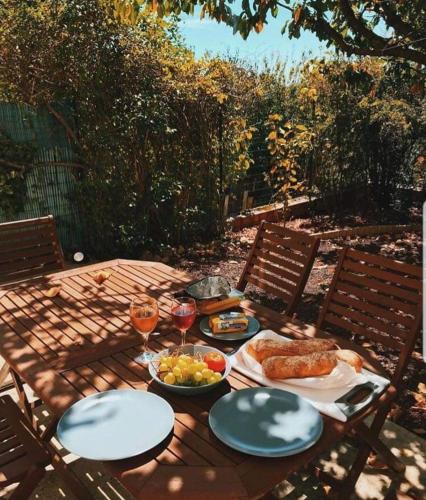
{"x": 144, "y": 358}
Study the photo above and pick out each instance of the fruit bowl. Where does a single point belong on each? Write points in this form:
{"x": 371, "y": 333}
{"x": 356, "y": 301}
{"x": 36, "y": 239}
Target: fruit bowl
{"x": 191, "y": 350}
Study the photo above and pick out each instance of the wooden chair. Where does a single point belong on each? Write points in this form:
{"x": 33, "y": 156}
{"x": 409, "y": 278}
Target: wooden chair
{"x": 280, "y": 262}
{"x": 28, "y": 248}
{"x": 376, "y": 299}
{"x": 22, "y": 457}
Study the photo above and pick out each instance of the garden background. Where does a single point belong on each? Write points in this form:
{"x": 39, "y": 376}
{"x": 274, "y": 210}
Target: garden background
{"x": 134, "y": 144}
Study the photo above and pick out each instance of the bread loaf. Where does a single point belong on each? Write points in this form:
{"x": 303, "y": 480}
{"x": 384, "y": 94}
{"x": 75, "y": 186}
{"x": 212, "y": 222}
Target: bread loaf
{"x": 309, "y": 365}
{"x": 265, "y": 348}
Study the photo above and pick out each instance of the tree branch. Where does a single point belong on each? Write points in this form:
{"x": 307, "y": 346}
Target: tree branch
{"x": 13, "y": 165}
{"x": 400, "y": 26}
{"x": 67, "y": 164}
{"x": 358, "y": 26}
{"x": 285, "y": 6}
{"x": 63, "y": 122}
{"x": 321, "y": 25}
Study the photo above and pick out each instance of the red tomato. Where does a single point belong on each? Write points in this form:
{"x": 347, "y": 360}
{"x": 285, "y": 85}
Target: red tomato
{"x": 215, "y": 361}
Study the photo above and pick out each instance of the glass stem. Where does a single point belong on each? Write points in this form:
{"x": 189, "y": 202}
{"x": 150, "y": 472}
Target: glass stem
{"x": 145, "y": 338}
{"x": 183, "y": 337}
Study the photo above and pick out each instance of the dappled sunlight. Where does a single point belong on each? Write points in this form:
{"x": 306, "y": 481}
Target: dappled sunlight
{"x": 378, "y": 483}
{"x": 284, "y": 427}
{"x": 85, "y": 318}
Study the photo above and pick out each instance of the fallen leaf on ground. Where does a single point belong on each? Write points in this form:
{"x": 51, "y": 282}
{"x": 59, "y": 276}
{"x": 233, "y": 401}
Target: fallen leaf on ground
{"x": 53, "y": 291}
{"x": 395, "y": 413}
{"x": 101, "y": 277}
{"x": 420, "y": 399}
{"x": 376, "y": 462}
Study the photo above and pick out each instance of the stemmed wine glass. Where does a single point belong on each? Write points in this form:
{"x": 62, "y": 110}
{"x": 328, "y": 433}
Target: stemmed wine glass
{"x": 144, "y": 317}
{"x": 183, "y": 312}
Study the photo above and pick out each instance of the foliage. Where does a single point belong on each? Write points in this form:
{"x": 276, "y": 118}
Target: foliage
{"x": 367, "y": 136}
{"x": 15, "y": 164}
{"x": 147, "y": 112}
{"x": 286, "y": 144}
{"x": 353, "y": 27}
{"x": 160, "y": 133}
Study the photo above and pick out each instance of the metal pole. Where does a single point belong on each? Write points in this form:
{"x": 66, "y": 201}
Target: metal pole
{"x": 220, "y": 138}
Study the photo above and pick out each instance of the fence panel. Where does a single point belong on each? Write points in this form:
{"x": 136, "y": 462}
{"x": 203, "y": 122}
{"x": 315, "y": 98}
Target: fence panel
{"x": 50, "y": 187}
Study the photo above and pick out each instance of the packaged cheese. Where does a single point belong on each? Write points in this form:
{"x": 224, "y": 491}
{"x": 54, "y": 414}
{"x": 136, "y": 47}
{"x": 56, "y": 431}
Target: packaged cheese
{"x": 228, "y": 322}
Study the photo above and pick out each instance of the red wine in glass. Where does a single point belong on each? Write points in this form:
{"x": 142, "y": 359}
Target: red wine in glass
{"x": 183, "y": 314}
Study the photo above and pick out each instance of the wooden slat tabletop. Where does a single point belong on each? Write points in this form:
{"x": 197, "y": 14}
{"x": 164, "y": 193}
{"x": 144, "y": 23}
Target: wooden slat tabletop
{"x": 35, "y": 331}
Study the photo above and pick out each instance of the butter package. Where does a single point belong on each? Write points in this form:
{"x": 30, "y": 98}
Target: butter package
{"x": 228, "y": 322}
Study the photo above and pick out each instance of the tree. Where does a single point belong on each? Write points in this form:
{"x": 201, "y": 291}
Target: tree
{"x": 147, "y": 115}
{"x": 354, "y": 27}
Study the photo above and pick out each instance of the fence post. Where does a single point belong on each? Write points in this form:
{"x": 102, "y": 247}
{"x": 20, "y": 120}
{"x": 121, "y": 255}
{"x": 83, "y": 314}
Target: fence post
{"x": 225, "y": 206}
{"x": 245, "y": 196}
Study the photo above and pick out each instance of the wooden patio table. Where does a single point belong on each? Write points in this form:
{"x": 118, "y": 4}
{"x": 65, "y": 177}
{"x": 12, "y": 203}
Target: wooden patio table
{"x": 48, "y": 342}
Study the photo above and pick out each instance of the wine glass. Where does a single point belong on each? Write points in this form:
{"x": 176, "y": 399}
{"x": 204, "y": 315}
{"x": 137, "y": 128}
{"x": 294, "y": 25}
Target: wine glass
{"x": 183, "y": 314}
{"x": 144, "y": 317}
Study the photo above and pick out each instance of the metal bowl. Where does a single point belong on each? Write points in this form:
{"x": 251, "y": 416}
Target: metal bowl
{"x": 191, "y": 350}
{"x": 210, "y": 287}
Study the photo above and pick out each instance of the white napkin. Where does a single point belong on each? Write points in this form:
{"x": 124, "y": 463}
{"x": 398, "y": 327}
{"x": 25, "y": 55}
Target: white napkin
{"x": 321, "y": 392}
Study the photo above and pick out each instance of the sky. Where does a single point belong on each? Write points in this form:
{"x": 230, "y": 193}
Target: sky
{"x": 217, "y": 39}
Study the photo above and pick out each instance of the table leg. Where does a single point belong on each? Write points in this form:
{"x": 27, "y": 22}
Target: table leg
{"x": 23, "y": 400}
{"x": 362, "y": 456}
{"x": 381, "y": 449}
{"x": 4, "y": 372}
{"x": 50, "y": 430}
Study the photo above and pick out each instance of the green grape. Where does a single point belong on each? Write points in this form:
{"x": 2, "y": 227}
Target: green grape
{"x": 192, "y": 368}
{"x": 181, "y": 363}
{"x": 170, "y": 379}
{"x": 207, "y": 373}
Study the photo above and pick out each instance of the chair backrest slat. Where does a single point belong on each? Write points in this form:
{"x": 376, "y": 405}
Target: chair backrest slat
{"x": 376, "y": 298}
{"x": 279, "y": 262}
{"x": 29, "y": 248}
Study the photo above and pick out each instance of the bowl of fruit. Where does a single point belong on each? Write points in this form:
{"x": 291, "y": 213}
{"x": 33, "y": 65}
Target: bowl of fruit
{"x": 189, "y": 369}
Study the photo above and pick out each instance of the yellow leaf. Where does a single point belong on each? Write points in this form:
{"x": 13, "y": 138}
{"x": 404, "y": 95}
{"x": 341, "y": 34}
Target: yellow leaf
{"x": 297, "y": 13}
{"x": 258, "y": 27}
{"x": 101, "y": 276}
{"x": 52, "y": 292}
{"x": 272, "y": 135}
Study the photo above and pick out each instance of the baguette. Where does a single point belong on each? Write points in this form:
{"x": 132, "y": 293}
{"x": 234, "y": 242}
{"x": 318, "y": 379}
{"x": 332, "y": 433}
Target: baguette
{"x": 309, "y": 365}
{"x": 265, "y": 348}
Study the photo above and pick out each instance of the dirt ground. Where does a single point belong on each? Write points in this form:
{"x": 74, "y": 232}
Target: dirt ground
{"x": 227, "y": 257}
